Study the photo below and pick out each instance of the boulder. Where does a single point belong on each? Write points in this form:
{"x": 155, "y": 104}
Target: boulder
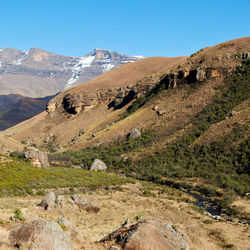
{"x": 40, "y": 235}
{"x": 48, "y": 201}
{"x": 38, "y": 158}
{"x": 148, "y": 234}
{"x": 201, "y": 74}
{"x": 98, "y": 165}
{"x": 161, "y": 112}
{"x": 68, "y": 226}
{"x": 86, "y": 202}
{"x": 135, "y": 133}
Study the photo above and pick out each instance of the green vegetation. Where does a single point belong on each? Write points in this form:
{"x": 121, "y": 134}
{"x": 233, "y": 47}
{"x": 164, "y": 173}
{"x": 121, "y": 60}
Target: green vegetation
{"x": 18, "y": 215}
{"x": 20, "y": 178}
{"x": 222, "y": 164}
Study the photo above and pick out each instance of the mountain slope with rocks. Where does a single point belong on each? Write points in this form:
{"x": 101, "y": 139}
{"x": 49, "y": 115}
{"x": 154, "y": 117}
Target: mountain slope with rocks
{"x": 38, "y": 73}
{"x": 172, "y": 137}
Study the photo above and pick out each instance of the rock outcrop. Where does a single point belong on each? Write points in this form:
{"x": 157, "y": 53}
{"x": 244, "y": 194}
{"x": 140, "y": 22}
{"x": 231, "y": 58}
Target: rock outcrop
{"x": 48, "y": 201}
{"x": 86, "y": 202}
{"x": 40, "y": 235}
{"x": 148, "y": 234}
{"x": 37, "y": 158}
{"x": 98, "y": 165}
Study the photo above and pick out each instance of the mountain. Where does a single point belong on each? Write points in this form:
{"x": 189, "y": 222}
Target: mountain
{"x": 181, "y": 123}
{"x": 38, "y": 73}
{"x": 192, "y": 111}
{"x": 16, "y": 108}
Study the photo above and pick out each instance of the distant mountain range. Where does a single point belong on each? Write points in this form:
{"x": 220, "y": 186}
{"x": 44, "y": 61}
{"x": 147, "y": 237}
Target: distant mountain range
{"x": 38, "y": 73}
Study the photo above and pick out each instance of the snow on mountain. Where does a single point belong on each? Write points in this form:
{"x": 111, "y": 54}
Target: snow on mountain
{"x": 50, "y": 73}
{"x": 84, "y": 61}
{"x": 20, "y": 60}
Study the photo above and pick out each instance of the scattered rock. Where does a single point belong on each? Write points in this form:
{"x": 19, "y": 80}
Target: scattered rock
{"x": 161, "y": 112}
{"x": 48, "y": 201}
{"x": 87, "y": 202}
{"x": 148, "y": 234}
{"x": 38, "y": 158}
{"x": 135, "y": 133}
{"x": 49, "y": 138}
{"x": 98, "y": 165}
{"x": 40, "y": 235}
{"x": 156, "y": 108}
{"x": 81, "y": 132}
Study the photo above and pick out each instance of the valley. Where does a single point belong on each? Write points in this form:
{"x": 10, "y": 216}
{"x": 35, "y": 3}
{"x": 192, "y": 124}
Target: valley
{"x": 172, "y": 138}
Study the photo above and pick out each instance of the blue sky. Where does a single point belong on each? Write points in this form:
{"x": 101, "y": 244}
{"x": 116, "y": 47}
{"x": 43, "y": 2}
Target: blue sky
{"x": 134, "y": 27}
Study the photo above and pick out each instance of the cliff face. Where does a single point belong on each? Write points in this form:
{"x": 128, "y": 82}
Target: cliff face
{"x": 196, "y": 68}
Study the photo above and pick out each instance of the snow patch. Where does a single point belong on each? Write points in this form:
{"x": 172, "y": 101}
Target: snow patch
{"x": 20, "y": 60}
{"x": 107, "y": 67}
{"x": 84, "y": 62}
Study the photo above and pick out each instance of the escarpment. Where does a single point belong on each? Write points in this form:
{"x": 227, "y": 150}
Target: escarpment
{"x": 193, "y": 71}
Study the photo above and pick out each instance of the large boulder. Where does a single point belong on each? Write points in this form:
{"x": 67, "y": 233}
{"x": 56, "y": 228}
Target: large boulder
{"x": 37, "y": 158}
{"x": 135, "y": 133}
{"x": 148, "y": 235}
{"x": 48, "y": 201}
{"x": 98, "y": 165}
{"x": 68, "y": 226}
{"x": 86, "y": 202}
{"x": 40, "y": 235}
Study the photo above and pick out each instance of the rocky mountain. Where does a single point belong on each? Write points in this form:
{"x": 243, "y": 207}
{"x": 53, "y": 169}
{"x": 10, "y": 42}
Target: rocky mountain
{"x": 38, "y": 73}
{"x": 16, "y": 108}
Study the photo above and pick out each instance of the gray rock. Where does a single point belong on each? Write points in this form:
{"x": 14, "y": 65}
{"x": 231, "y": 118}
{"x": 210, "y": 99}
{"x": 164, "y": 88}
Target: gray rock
{"x": 86, "y": 202}
{"x": 40, "y": 235}
{"x": 201, "y": 74}
{"x": 69, "y": 227}
{"x": 98, "y": 165}
{"x": 38, "y": 158}
{"x": 135, "y": 133}
{"x": 48, "y": 201}
{"x": 161, "y": 112}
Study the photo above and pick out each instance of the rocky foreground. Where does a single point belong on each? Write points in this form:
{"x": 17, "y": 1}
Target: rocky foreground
{"x": 114, "y": 218}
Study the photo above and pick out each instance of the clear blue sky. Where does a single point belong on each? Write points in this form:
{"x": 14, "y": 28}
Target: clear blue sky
{"x": 134, "y": 27}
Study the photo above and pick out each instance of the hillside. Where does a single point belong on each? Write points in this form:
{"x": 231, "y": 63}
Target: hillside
{"x": 38, "y": 73}
{"x": 188, "y": 164}
{"x": 16, "y": 108}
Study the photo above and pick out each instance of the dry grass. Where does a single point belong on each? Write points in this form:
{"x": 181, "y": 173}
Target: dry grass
{"x": 116, "y": 206}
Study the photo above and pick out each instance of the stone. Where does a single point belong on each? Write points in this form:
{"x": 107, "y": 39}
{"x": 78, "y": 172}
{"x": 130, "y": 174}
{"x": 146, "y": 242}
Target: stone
{"x": 86, "y": 202}
{"x": 233, "y": 113}
{"x": 37, "y": 158}
{"x": 49, "y": 138}
{"x": 135, "y": 133}
{"x": 148, "y": 234}
{"x": 48, "y": 201}
{"x": 156, "y": 108}
{"x": 68, "y": 226}
{"x": 39, "y": 235}
{"x": 98, "y": 165}
{"x": 161, "y": 112}
{"x": 201, "y": 74}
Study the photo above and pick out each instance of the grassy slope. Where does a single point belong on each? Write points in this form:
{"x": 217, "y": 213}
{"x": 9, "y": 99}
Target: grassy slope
{"x": 19, "y": 178}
